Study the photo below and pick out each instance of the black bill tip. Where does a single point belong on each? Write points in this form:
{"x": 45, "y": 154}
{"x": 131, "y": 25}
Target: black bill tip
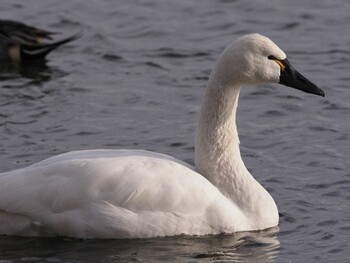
{"x": 292, "y": 78}
{"x": 320, "y": 92}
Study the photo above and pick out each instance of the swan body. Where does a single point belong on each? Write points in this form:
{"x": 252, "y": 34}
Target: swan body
{"x": 139, "y": 194}
{"x": 21, "y": 42}
{"x": 115, "y": 193}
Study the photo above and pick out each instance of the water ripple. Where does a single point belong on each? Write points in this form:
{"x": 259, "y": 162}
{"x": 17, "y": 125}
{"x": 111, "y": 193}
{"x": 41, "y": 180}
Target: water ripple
{"x": 136, "y": 79}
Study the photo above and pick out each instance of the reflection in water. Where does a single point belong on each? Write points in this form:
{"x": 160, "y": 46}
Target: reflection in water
{"x": 21, "y": 90}
{"x": 262, "y": 246}
{"x": 37, "y": 71}
{"x": 23, "y": 82}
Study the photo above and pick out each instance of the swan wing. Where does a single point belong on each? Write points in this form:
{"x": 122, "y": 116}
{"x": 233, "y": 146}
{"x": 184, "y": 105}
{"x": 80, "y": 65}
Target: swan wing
{"x": 113, "y": 193}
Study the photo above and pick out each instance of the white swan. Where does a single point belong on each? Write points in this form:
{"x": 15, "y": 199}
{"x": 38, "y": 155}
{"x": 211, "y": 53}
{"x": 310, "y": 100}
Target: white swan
{"x": 139, "y": 194}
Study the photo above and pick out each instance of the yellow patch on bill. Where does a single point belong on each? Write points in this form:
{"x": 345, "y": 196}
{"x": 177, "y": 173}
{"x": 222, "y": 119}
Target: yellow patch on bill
{"x": 280, "y": 64}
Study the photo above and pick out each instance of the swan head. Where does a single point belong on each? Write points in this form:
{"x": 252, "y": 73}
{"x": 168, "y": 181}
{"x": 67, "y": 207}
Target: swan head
{"x": 254, "y": 58}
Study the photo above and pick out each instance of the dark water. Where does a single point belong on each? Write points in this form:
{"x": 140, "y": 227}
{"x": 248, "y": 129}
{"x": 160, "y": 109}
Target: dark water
{"x": 135, "y": 80}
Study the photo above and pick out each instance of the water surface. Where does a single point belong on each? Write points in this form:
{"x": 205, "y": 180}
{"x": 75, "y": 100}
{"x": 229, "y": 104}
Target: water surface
{"x": 136, "y": 79}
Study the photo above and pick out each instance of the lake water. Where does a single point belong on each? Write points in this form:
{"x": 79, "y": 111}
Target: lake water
{"x": 135, "y": 80}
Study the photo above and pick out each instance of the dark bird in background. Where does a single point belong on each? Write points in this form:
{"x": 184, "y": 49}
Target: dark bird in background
{"x": 20, "y": 42}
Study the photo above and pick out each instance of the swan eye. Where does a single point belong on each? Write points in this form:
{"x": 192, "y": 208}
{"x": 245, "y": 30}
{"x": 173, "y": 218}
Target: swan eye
{"x": 279, "y": 62}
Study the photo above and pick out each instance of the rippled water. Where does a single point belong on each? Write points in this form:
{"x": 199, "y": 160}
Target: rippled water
{"x": 135, "y": 80}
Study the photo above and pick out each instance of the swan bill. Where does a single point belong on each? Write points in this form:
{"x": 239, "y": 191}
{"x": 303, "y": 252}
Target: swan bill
{"x": 292, "y": 78}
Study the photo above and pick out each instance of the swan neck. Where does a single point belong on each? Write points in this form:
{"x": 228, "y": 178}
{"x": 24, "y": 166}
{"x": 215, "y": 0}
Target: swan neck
{"x": 217, "y": 143}
{"x": 218, "y": 156}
